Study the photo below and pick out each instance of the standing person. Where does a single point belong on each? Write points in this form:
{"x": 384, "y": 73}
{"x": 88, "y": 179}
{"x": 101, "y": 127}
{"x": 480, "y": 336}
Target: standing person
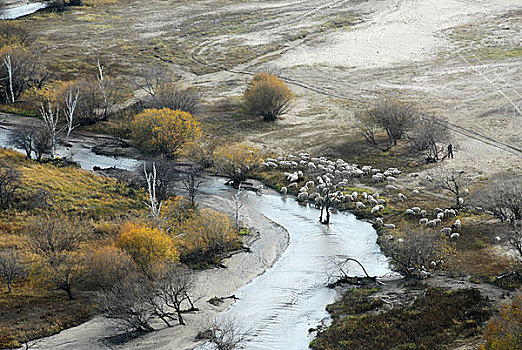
{"x": 450, "y": 151}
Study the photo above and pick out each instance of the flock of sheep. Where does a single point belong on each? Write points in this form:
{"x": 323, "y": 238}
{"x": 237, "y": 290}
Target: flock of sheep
{"x": 329, "y": 180}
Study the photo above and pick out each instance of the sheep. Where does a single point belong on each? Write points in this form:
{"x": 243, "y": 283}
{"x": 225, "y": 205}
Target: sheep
{"x": 294, "y": 164}
{"x": 366, "y": 169}
{"x": 303, "y": 163}
{"x": 360, "y": 205}
{"x": 431, "y": 223}
{"x": 455, "y": 235}
{"x": 452, "y": 212}
{"x": 284, "y": 190}
{"x": 440, "y": 215}
{"x": 424, "y": 274}
{"x": 375, "y": 209}
{"x": 457, "y": 225}
{"x": 446, "y": 231}
{"x": 314, "y": 159}
{"x": 423, "y": 221}
{"x": 375, "y": 171}
{"x": 400, "y": 240}
{"x": 410, "y": 212}
{"x": 379, "y": 222}
{"x": 416, "y": 210}
{"x": 401, "y": 197}
{"x": 423, "y": 213}
{"x": 391, "y": 188}
{"x": 437, "y": 210}
{"x": 461, "y": 200}
{"x": 302, "y": 196}
{"x": 304, "y": 156}
{"x": 381, "y": 201}
{"x": 313, "y": 196}
{"x": 311, "y": 166}
{"x": 415, "y": 192}
{"x": 365, "y": 195}
{"x": 378, "y": 177}
{"x": 413, "y": 174}
{"x": 303, "y": 189}
{"x": 391, "y": 179}
{"x": 290, "y": 157}
{"x": 437, "y": 221}
{"x": 497, "y": 239}
{"x": 372, "y": 201}
{"x": 271, "y": 160}
{"x": 376, "y": 195}
{"x": 281, "y": 159}
{"x": 389, "y": 226}
{"x": 300, "y": 173}
{"x": 433, "y": 264}
{"x": 309, "y": 184}
{"x": 293, "y": 185}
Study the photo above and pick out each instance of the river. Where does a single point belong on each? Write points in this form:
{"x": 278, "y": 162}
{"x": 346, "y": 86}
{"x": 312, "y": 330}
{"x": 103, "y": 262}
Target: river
{"x": 278, "y": 307}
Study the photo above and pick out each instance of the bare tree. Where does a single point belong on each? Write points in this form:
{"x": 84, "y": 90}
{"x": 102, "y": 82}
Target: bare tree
{"x": 226, "y": 334}
{"x": 167, "y": 177}
{"x": 18, "y": 68}
{"x": 71, "y": 100}
{"x": 55, "y": 233}
{"x": 41, "y": 143}
{"x": 502, "y": 197}
{"x": 50, "y": 118}
{"x": 9, "y": 183}
{"x": 23, "y": 138}
{"x": 456, "y": 182}
{"x": 127, "y": 303}
{"x": 330, "y": 194}
{"x": 367, "y": 125}
{"x": 150, "y": 82}
{"x": 430, "y": 135}
{"x": 11, "y": 266}
{"x": 153, "y": 204}
{"x": 191, "y": 180}
{"x": 173, "y": 287}
{"x": 415, "y": 251}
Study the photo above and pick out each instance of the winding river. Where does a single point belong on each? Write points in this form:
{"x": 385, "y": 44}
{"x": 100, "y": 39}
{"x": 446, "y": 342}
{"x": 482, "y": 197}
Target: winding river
{"x": 279, "y": 307}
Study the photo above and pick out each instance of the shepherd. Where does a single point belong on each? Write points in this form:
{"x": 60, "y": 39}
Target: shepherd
{"x": 450, "y": 151}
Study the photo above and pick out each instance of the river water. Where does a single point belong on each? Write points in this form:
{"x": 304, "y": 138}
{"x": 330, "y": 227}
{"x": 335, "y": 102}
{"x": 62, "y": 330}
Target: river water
{"x": 280, "y": 306}
{"x": 23, "y": 10}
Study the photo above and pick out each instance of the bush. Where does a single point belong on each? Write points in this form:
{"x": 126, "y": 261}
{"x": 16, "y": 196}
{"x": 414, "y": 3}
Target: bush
{"x": 237, "y": 163}
{"x": 146, "y": 246}
{"x": 206, "y": 236}
{"x": 504, "y": 331}
{"x": 268, "y": 96}
{"x": 164, "y": 131}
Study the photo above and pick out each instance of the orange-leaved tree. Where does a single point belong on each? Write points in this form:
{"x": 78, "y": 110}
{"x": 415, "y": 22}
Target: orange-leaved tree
{"x": 268, "y": 96}
{"x": 206, "y": 236}
{"x": 147, "y": 246}
{"x": 504, "y": 331}
{"x": 237, "y": 162}
{"x": 164, "y": 130}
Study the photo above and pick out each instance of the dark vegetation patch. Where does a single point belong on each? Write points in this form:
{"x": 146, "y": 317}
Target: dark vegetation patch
{"x": 433, "y": 321}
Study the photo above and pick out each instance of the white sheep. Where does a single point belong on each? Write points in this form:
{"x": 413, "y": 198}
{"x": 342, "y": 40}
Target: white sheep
{"x": 372, "y": 201}
{"x": 271, "y": 160}
{"x": 415, "y": 192}
{"x": 423, "y": 213}
{"x": 281, "y": 159}
{"x": 402, "y": 197}
{"x": 381, "y": 201}
{"x": 446, "y": 231}
{"x": 391, "y": 179}
{"x": 433, "y": 264}
{"x": 376, "y": 195}
{"x": 309, "y": 184}
{"x": 391, "y": 188}
{"x": 303, "y": 189}
{"x": 379, "y": 222}
{"x": 461, "y": 200}
{"x": 375, "y": 209}
{"x": 284, "y": 190}
{"x": 413, "y": 175}
{"x": 410, "y": 212}
{"x": 389, "y": 226}
{"x": 431, "y": 223}
{"x": 311, "y": 166}
{"x": 360, "y": 205}
{"x": 378, "y": 177}
{"x": 438, "y": 210}
{"x": 423, "y": 221}
{"x": 455, "y": 235}
{"x": 302, "y": 196}
{"x": 457, "y": 225}
{"x": 293, "y": 185}
{"x": 365, "y": 195}
{"x": 272, "y": 165}
{"x": 497, "y": 239}
{"x": 416, "y": 210}
{"x": 440, "y": 215}
{"x": 452, "y": 212}
{"x": 437, "y": 221}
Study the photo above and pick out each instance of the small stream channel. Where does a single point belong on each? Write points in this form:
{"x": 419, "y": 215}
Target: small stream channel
{"x": 280, "y": 306}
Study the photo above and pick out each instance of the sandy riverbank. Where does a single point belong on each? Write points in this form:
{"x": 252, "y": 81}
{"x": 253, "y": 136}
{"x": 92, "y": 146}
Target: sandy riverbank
{"x": 266, "y": 245}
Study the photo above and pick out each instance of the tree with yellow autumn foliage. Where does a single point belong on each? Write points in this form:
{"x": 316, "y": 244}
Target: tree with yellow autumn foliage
{"x": 237, "y": 163}
{"x": 268, "y": 96}
{"x": 164, "y": 130}
{"x": 147, "y": 246}
{"x": 206, "y": 236}
{"x": 504, "y": 331}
